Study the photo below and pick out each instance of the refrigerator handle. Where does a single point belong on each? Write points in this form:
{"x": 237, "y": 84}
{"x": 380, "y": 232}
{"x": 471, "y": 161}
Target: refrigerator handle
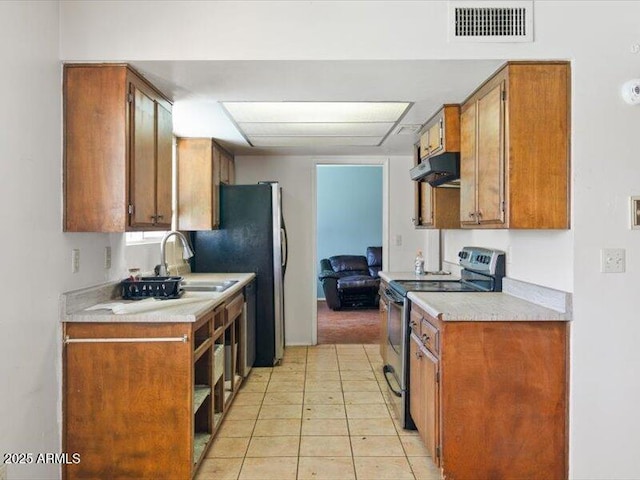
{"x": 285, "y": 248}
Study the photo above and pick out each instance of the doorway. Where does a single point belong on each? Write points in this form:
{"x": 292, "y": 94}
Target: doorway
{"x": 349, "y": 218}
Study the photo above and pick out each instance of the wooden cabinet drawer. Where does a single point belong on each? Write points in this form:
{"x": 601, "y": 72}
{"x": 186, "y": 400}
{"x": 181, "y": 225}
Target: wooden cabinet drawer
{"x": 234, "y": 307}
{"x": 415, "y": 321}
{"x": 429, "y": 336}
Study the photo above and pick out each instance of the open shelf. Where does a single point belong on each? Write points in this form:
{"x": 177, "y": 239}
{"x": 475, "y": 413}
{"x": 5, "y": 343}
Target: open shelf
{"x": 200, "y": 441}
{"x": 200, "y": 394}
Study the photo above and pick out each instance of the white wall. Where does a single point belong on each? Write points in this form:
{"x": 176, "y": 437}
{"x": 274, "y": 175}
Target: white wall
{"x": 596, "y": 35}
{"x": 37, "y": 255}
{"x": 296, "y": 175}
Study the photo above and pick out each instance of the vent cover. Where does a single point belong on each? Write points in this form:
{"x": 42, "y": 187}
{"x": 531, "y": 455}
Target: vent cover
{"x": 410, "y": 129}
{"x": 508, "y": 21}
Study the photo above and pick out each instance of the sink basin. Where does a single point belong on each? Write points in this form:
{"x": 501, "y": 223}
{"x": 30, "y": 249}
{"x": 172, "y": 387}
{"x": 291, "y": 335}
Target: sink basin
{"x": 204, "y": 286}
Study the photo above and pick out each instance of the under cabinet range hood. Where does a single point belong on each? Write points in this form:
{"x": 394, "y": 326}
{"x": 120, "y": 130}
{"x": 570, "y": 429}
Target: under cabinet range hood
{"x": 438, "y": 169}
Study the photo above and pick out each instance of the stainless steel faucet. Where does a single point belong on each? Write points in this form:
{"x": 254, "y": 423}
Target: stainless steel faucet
{"x": 186, "y": 251}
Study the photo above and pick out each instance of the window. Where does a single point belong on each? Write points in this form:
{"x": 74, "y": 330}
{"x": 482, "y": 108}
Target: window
{"x": 132, "y": 238}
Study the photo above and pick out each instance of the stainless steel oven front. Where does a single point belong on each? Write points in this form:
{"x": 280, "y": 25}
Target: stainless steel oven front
{"x": 395, "y": 363}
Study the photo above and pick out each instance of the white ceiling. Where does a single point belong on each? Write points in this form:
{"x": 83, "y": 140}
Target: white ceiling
{"x": 197, "y": 87}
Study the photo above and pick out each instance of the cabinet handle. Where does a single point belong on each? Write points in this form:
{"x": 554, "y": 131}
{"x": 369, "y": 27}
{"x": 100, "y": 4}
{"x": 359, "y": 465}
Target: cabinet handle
{"x": 418, "y": 355}
{"x": 479, "y": 214}
{"x": 425, "y": 338}
{"x": 413, "y": 324}
{"x": 153, "y": 217}
{"x": 472, "y": 214}
{"x": 158, "y": 217}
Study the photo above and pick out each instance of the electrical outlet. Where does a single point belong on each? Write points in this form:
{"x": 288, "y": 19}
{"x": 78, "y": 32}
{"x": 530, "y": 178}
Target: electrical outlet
{"x": 397, "y": 240}
{"x": 107, "y": 258}
{"x": 612, "y": 260}
{"x": 75, "y": 260}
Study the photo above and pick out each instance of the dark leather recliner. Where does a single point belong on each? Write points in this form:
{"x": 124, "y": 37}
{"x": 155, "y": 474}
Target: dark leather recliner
{"x": 351, "y": 281}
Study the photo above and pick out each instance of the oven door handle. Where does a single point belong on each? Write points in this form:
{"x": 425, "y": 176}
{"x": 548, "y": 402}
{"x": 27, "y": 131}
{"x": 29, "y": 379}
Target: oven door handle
{"x": 393, "y": 297}
{"x": 387, "y": 369}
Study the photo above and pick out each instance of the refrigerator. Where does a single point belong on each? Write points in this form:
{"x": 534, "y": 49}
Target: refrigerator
{"x": 252, "y": 238}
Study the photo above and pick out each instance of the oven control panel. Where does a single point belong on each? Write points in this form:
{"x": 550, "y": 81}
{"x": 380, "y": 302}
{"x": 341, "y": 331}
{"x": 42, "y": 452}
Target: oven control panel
{"x": 483, "y": 260}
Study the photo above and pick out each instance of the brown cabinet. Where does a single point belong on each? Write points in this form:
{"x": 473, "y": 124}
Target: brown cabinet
{"x": 441, "y": 133}
{"x": 117, "y": 150}
{"x": 423, "y": 378}
{"x": 438, "y": 207}
{"x": 490, "y": 399}
{"x": 202, "y": 166}
{"x": 514, "y": 155}
{"x": 144, "y": 400}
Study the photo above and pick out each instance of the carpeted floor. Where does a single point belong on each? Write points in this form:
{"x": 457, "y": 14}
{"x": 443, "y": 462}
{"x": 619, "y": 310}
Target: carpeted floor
{"x": 348, "y": 326}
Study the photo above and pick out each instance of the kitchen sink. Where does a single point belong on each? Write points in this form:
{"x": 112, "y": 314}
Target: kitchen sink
{"x": 205, "y": 286}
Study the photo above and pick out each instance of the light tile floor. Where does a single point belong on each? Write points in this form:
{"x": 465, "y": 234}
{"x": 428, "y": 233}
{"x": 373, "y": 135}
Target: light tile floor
{"x": 322, "y": 414}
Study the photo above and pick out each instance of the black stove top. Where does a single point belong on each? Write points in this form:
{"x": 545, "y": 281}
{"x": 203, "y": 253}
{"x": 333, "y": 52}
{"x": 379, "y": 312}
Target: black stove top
{"x": 433, "y": 286}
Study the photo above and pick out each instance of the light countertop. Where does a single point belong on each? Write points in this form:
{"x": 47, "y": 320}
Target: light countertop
{"x": 188, "y": 308}
{"x": 483, "y": 306}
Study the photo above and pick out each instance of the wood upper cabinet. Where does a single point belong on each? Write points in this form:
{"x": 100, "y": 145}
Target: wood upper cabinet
{"x": 227, "y": 168}
{"x": 202, "y": 166}
{"x": 490, "y": 399}
{"x": 441, "y": 133}
{"x": 435, "y": 207}
{"x": 514, "y": 151}
{"x": 117, "y": 150}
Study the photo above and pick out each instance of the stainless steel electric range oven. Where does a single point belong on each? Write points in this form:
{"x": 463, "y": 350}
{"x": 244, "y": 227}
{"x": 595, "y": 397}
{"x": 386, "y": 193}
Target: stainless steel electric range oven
{"x": 482, "y": 271}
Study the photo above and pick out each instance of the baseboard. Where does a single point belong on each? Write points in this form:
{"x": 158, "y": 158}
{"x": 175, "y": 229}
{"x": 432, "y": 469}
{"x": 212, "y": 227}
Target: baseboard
{"x": 298, "y": 344}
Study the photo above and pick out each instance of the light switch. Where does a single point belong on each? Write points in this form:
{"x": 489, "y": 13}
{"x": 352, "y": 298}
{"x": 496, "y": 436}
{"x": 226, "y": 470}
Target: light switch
{"x": 612, "y": 260}
{"x": 397, "y": 240}
{"x": 635, "y": 212}
{"x": 107, "y": 258}
{"x": 75, "y": 260}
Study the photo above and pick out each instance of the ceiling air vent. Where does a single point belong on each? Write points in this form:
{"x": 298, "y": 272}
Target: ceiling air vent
{"x": 498, "y": 21}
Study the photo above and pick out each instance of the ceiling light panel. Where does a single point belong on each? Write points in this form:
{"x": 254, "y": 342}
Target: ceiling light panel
{"x": 301, "y": 141}
{"x": 317, "y": 129}
{"x": 293, "y": 112}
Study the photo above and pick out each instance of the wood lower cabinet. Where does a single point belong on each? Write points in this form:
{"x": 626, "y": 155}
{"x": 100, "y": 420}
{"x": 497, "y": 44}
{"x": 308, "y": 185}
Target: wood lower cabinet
{"x": 514, "y": 152}
{"x": 144, "y": 400}
{"x": 423, "y": 370}
{"x": 490, "y": 399}
{"x": 202, "y": 166}
{"x": 117, "y": 150}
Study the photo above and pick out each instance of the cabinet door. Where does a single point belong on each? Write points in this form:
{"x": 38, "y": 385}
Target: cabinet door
{"x": 143, "y": 159}
{"x": 215, "y": 193}
{"x": 424, "y": 144}
{"x": 425, "y": 217}
{"x": 490, "y": 160}
{"x": 165, "y": 154}
{"x": 435, "y": 137}
{"x": 416, "y": 395}
{"x": 430, "y": 402}
{"x": 197, "y": 189}
{"x": 468, "y": 165}
{"x": 224, "y": 168}
{"x": 128, "y": 405}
